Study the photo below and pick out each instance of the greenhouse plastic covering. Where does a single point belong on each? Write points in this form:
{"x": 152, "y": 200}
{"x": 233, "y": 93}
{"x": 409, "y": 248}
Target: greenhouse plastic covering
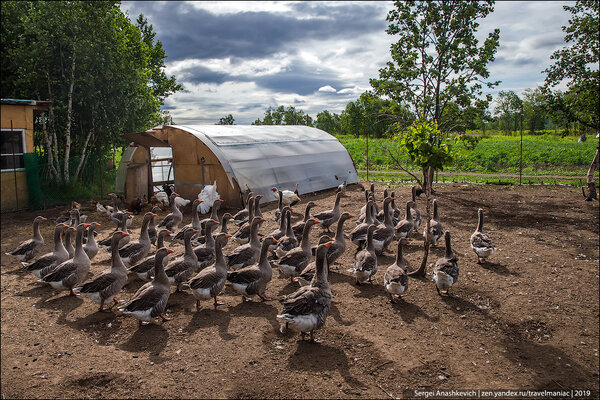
{"x": 260, "y": 157}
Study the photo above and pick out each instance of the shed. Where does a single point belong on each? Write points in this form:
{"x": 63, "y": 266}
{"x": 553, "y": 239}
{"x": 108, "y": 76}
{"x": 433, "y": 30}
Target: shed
{"x": 239, "y": 158}
{"x": 16, "y": 149}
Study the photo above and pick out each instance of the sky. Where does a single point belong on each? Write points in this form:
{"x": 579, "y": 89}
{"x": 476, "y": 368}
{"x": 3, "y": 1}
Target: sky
{"x": 241, "y": 58}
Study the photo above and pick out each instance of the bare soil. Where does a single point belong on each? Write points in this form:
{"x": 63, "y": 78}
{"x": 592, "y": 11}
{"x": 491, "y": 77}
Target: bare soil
{"x": 526, "y": 319}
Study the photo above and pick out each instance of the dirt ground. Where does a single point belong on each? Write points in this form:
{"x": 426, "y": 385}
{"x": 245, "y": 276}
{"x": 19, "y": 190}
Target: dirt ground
{"x": 527, "y": 319}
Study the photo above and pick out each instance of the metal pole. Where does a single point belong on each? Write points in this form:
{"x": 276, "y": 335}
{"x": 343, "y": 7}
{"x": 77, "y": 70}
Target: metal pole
{"x": 12, "y": 142}
{"x": 521, "y": 155}
{"x": 367, "y": 148}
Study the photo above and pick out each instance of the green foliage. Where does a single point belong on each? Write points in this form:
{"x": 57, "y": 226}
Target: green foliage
{"x": 284, "y": 116}
{"x": 328, "y": 122}
{"x": 226, "y": 120}
{"x": 438, "y": 60}
{"x": 577, "y": 64}
{"x": 426, "y": 146}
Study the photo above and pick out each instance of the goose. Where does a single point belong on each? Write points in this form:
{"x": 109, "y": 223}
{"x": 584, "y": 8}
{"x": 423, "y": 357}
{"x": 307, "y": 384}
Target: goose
{"x": 224, "y": 229}
{"x": 416, "y": 214}
{"x": 91, "y": 247}
{"x": 50, "y": 260}
{"x": 134, "y": 252}
{"x": 306, "y": 309}
{"x": 288, "y": 241}
{"x": 338, "y": 246}
{"x": 445, "y": 272}
{"x": 381, "y": 214}
{"x": 374, "y": 211}
{"x": 205, "y": 253}
{"x": 248, "y": 253}
{"x": 152, "y": 225}
{"x": 210, "y": 281}
{"x": 283, "y": 222}
{"x": 195, "y": 220}
{"x": 358, "y": 235}
{"x": 480, "y": 241}
{"x": 365, "y": 261}
{"x": 257, "y": 212}
{"x": 291, "y": 264}
{"x": 342, "y": 188}
{"x": 395, "y": 210}
{"x": 298, "y": 227}
{"x": 174, "y": 218}
{"x": 278, "y": 212}
{"x": 145, "y": 268}
{"x": 404, "y": 228}
{"x": 435, "y": 226}
{"x": 330, "y": 217}
{"x": 252, "y": 280}
{"x": 308, "y": 273}
{"x": 289, "y": 197}
{"x": 213, "y": 216}
{"x": 395, "y": 279}
{"x": 241, "y": 217}
{"x": 150, "y": 301}
{"x": 180, "y": 271}
{"x": 116, "y": 214}
{"x": 68, "y": 243}
{"x": 74, "y": 271}
{"x": 384, "y": 234}
{"x": 106, "y": 243}
{"x": 30, "y": 248}
{"x": 242, "y": 236}
{"x": 103, "y": 288}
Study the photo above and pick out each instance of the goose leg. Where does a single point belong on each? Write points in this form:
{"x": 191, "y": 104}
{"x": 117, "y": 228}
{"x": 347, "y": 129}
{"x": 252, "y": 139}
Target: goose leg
{"x": 218, "y": 303}
{"x": 198, "y": 305}
{"x": 438, "y": 290}
{"x": 144, "y": 323}
{"x": 73, "y": 293}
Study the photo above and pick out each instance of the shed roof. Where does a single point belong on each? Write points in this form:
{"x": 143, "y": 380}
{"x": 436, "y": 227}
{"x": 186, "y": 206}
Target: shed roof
{"x": 262, "y": 156}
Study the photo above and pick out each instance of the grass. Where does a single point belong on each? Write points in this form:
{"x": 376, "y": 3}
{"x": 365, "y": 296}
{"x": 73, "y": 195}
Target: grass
{"x": 543, "y": 154}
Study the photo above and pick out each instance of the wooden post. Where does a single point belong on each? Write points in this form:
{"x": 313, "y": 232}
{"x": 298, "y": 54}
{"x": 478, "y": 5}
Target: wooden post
{"x": 521, "y": 155}
{"x": 12, "y": 142}
{"x": 367, "y": 148}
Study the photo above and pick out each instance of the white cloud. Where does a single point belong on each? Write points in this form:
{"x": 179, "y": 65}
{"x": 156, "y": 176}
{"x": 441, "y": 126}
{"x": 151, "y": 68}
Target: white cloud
{"x": 327, "y": 89}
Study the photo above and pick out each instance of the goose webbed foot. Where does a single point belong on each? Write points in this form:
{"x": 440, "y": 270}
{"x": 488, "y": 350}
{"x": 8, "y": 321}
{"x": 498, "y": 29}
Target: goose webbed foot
{"x": 165, "y": 318}
{"x": 218, "y": 303}
{"x": 438, "y": 290}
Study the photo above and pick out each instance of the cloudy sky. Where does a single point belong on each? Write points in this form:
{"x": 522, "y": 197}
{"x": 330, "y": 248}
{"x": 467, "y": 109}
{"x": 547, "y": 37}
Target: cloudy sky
{"x": 240, "y": 58}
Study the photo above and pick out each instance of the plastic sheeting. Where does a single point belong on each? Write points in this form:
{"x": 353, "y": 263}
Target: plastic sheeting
{"x": 260, "y": 157}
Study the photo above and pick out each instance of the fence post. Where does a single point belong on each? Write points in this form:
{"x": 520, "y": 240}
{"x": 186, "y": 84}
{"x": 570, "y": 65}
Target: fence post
{"x": 367, "y": 148}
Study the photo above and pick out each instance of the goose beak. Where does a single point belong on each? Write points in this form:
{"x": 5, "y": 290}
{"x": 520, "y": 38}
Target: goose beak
{"x": 195, "y": 230}
{"x": 227, "y": 235}
{"x": 350, "y": 215}
{"x": 124, "y": 234}
{"x": 327, "y": 244}
{"x": 168, "y": 231}
{"x": 86, "y": 225}
{"x": 169, "y": 251}
{"x": 154, "y": 215}
{"x": 316, "y": 221}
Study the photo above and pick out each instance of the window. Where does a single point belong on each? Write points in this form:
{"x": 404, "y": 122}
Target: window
{"x": 162, "y": 166}
{"x": 12, "y": 148}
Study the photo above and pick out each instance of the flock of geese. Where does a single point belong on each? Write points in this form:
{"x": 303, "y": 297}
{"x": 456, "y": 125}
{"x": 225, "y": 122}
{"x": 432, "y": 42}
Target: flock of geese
{"x": 204, "y": 269}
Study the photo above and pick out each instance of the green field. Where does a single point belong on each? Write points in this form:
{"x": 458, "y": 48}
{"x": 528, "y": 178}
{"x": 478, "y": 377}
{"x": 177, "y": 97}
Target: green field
{"x": 543, "y": 155}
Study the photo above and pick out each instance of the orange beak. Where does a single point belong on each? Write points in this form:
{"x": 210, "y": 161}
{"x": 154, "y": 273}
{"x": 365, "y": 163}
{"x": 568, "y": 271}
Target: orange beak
{"x": 350, "y": 215}
{"x": 168, "y": 231}
{"x": 227, "y": 235}
{"x": 86, "y": 225}
{"x": 98, "y": 223}
{"x": 316, "y": 221}
{"x": 327, "y": 244}
{"x": 124, "y": 234}
{"x": 169, "y": 251}
{"x": 195, "y": 230}
{"x": 154, "y": 215}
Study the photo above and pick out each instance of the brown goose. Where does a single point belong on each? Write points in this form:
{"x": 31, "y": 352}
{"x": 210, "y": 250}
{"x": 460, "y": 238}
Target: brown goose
{"x": 338, "y": 246}
{"x": 252, "y": 280}
{"x": 145, "y": 268}
{"x": 152, "y": 225}
{"x": 30, "y": 248}
{"x": 288, "y": 241}
{"x": 116, "y": 214}
{"x": 330, "y": 217}
{"x": 68, "y": 243}
{"x": 308, "y": 273}
{"x": 213, "y": 215}
{"x": 381, "y": 214}
{"x": 395, "y": 279}
{"x": 109, "y": 283}
{"x": 174, "y": 218}
{"x": 180, "y": 271}
{"x": 416, "y": 214}
{"x": 480, "y": 241}
{"x": 395, "y": 210}
{"x": 205, "y": 253}
{"x": 435, "y": 226}
{"x": 195, "y": 220}
{"x": 106, "y": 243}
{"x": 210, "y": 281}
{"x": 73, "y": 272}
{"x": 242, "y": 236}
{"x": 405, "y": 227}
{"x": 241, "y": 217}
{"x": 298, "y": 227}
{"x": 291, "y": 264}
{"x": 358, "y": 236}
{"x": 246, "y": 254}
{"x": 279, "y": 232}
{"x": 136, "y": 251}
{"x": 365, "y": 261}
{"x": 150, "y": 301}
{"x": 224, "y": 229}
{"x": 306, "y": 309}
{"x": 50, "y": 260}
{"x": 278, "y": 212}
{"x": 384, "y": 234}
{"x": 91, "y": 247}
{"x": 445, "y": 272}
{"x": 257, "y": 212}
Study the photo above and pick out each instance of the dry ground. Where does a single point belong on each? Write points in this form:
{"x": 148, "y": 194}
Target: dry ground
{"x": 526, "y": 319}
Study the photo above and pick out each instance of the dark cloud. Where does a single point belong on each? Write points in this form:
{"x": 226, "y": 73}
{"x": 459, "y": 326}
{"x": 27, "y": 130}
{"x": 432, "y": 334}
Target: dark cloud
{"x": 200, "y": 74}
{"x": 299, "y": 78}
{"x": 187, "y": 32}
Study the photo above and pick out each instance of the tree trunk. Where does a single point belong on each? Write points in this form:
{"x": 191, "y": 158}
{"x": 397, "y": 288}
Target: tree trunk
{"x": 427, "y": 178}
{"x": 48, "y": 144}
{"x": 83, "y": 149}
{"x": 592, "y": 194}
{"x": 69, "y": 120}
{"x": 52, "y": 121}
